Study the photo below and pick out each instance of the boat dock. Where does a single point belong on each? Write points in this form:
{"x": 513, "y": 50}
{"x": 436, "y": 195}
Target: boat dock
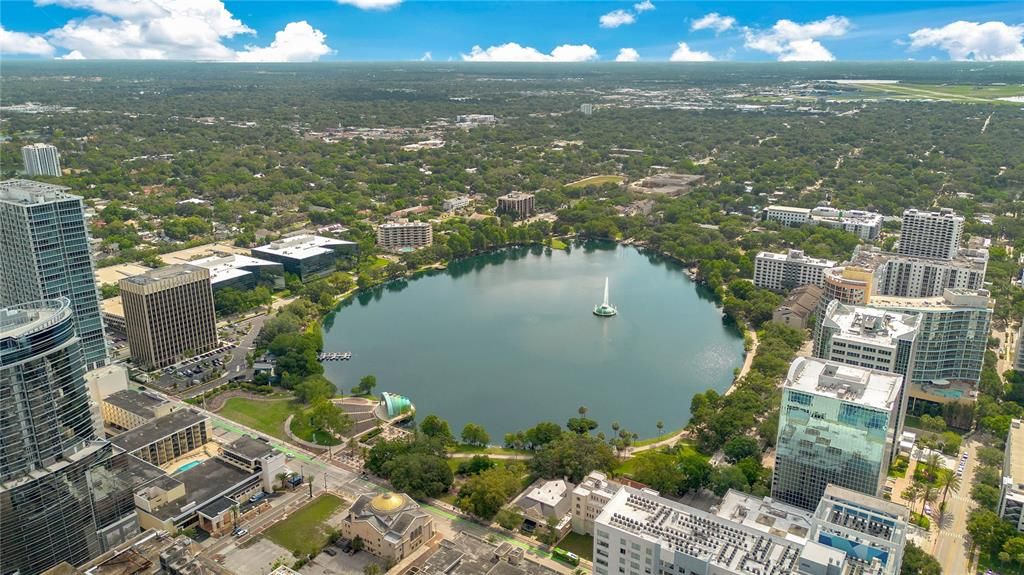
{"x": 334, "y": 356}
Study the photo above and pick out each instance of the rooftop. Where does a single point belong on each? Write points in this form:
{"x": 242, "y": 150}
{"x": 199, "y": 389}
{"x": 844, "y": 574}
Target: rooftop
{"x": 871, "y": 326}
{"x": 789, "y": 209}
{"x": 951, "y": 299}
{"x": 159, "y": 428}
{"x": 139, "y": 403}
{"x": 114, "y": 274}
{"x": 227, "y": 267}
{"x": 465, "y": 554}
{"x": 1013, "y": 465}
{"x": 204, "y": 483}
{"x": 302, "y": 246}
{"x": 766, "y": 515}
{"x": 22, "y": 319}
{"x": 189, "y": 255}
{"x": 866, "y": 387}
{"x": 113, "y": 306}
{"x": 516, "y": 196}
{"x": 549, "y": 493}
{"x": 873, "y": 258}
{"x": 803, "y": 300}
{"x": 872, "y": 516}
{"x": 165, "y": 273}
{"x": 796, "y": 256}
{"x": 390, "y": 514}
{"x": 249, "y": 447}
{"x": 29, "y": 192}
{"x": 388, "y": 225}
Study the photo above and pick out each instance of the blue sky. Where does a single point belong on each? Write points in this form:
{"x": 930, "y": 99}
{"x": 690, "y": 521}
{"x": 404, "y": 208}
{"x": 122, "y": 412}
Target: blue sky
{"x": 521, "y": 30}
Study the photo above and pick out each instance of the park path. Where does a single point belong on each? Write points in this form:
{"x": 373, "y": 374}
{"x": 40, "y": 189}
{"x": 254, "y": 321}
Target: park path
{"x": 748, "y": 360}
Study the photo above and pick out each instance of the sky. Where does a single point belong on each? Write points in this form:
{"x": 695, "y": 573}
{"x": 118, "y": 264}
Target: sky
{"x": 522, "y": 30}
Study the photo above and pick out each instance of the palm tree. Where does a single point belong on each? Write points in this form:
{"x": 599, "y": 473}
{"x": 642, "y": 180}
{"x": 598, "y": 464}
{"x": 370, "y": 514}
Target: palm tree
{"x": 928, "y": 495}
{"x": 583, "y": 411}
{"x": 932, "y": 464}
{"x": 949, "y": 482}
{"x": 912, "y": 494}
{"x": 660, "y": 425}
{"x": 281, "y": 478}
{"x": 615, "y": 426}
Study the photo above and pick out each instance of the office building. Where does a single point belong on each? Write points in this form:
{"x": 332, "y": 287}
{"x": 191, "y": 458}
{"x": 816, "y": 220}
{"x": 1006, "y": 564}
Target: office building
{"x": 47, "y": 441}
{"x": 456, "y": 203}
{"x": 519, "y": 204}
{"x": 1018, "y": 360}
{"x": 391, "y": 525}
{"x": 589, "y": 499}
{"x": 241, "y": 272}
{"x": 837, "y": 424}
{"x": 128, "y": 409}
{"x": 169, "y": 315}
{"x": 786, "y": 215}
{"x": 306, "y": 256}
{"x": 783, "y": 272}
{"x": 930, "y": 234}
{"x": 166, "y": 439}
{"x": 798, "y": 307}
{"x": 641, "y": 533}
{"x": 44, "y": 255}
{"x": 403, "y": 236}
{"x": 953, "y": 332}
{"x": 1011, "y": 493}
{"x": 41, "y": 160}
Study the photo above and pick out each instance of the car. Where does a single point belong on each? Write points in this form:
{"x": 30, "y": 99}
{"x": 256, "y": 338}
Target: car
{"x": 330, "y": 551}
{"x": 242, "y": 533}
{"x": 257, "y": 497}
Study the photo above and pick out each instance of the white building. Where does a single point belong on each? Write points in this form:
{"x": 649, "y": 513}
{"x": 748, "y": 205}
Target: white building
{"x": 783, "y": 272}
{"x": 1011, "y": 495}
{"x": 586, "y": 109}
{"x": 456, "y": 203}
{"x": 545, "y": 499}
{"x": 930, "y": 234}
{"x": 787, "y": 215}
{"x": 640, "y": 533}
{"x": 470, "y": 120}
{"x": 1018, "y": 360}
{"x": 838, "y": 425}
{"x": 404, "y": 235}
{"x": 589, "y": 499}
{"x": 889, "y": 274}
{"x": 41, "y": 160}
{"x": 865, "y": 225}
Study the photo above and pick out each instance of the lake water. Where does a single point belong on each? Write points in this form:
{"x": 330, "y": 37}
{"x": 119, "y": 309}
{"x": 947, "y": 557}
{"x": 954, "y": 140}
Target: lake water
{"x": 508, "y": 339}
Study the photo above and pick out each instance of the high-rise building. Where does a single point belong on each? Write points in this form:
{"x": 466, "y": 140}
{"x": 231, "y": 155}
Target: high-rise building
{"x": 783, "y": 272}
{"x": 930, "y": 234}
{"x": 1011, "y": 493}
{"x": 44, "y": 254}
{"x": 404, "y": 235}
{"x": 520, "y": 204}
{"x": 47, "y": 443}
{"x": 1018, "y": 360}
{"x": 837, "y": 425}
{"x": 41, "y": 160}
{"x": 168, "y": 314}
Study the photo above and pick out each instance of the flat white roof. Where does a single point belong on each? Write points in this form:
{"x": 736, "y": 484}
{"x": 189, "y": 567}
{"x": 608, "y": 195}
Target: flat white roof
{"x": 301, "y": 247}
{"x": 796, "y": 256}
{"x": 766, "y": 515}
{"x": 224, "y": 268}
{"x": 872, "y": 326}
{"x": 789, "y": 209}
{"x": 866, "y": 387}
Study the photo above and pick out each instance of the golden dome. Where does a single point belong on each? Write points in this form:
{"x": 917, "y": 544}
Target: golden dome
{"x": 387, "y": 502}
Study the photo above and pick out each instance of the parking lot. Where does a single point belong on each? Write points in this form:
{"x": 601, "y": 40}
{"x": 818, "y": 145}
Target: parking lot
{"x": 340, "y": 563}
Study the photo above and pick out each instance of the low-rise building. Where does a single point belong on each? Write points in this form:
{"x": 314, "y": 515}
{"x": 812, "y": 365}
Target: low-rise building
{"x": 545, "y": 499}
{"x": 521, "y": 204}
{"x": 456, "y": 203}
{"x": 783, "y": 272}
{"x": 152, "y": 552}
{"x": 798, "y": 307}
{"x": 1011, "y": 493}
{"x": 589, "y": 498}
{"x": 397, "y": 236}
{"x": 305, "y": 255}
{"x": 786, "y": 215}
{"x": 391, "y": 525}
{"x": 241, "y": 272}
{"x": 865, "y": 225}
{"x": 128, "y": 409}
{"x": 668, "y": 184}
{"x": 166, "y": 439}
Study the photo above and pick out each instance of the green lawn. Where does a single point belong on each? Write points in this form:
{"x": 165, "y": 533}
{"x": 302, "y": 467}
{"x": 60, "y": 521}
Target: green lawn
{"x": 306, "y": 531}
{"x": 302, "y": 429}
{"x": 650, "y": 440}
{"x": 628, "y": 467}
{"x": 265, "y": 416}
{"x": 595, "y": 181}
{"x": 950, "y": 93}
{"x": 557, "y": 244}
{"x": 582, "y": 545}
{"x": 474, "y": 450}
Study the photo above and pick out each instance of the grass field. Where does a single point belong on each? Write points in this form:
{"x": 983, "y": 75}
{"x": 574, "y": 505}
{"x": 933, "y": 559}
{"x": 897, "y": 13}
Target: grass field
{"x": 306, "y": 531}
{"x": 628, "y": 467}
{"x": 557, "y": 244}
{"x": 949, "y": 93}
{"x": 474, "y": 450}
{"x": 595, "y": 181}
{"x": 582, "y": 545}
{"x": 265, "y": 416}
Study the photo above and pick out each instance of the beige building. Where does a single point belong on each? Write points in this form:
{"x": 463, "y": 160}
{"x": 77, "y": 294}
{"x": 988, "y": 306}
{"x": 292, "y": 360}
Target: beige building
{"x": 589, "y": 499}
{"x": 404, "y": 235}
{"x": 519, "y": 203}
{"x": 168, "y": 314}
{"x": 168, "y": 438}
{"x": 798, "y": 307}
{"x": 128, "y": 409}
{"x": 391, "y": 525}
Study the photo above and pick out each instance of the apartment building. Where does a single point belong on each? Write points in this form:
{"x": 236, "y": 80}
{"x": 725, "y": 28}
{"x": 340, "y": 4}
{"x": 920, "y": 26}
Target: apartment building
{"x": 930, "y": 234}
{"x": 520, "y": 204}
{"x": 783, "y": 272}
{"x": 127, "y": 409}
{"x": 397, "y": 236}
{"x": 589, "y": 499}
{"x": 786, "y": 215}
{"x": 41, "y": 160}
{"x": 1011, "y": 493}
{"x": 166, "y": 439}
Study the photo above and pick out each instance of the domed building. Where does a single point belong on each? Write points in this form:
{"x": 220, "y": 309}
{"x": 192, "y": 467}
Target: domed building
{"x": 391, "y": 525}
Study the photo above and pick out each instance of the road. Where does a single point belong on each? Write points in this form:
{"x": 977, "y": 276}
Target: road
{"x": 951, "y": 546}
{"x": 239, "y": 361}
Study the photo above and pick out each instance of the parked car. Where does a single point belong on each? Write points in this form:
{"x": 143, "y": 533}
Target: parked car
{"x": 257, "y": 497}
{"x": 330, "y": 551}
{"x": 242, "y": 533}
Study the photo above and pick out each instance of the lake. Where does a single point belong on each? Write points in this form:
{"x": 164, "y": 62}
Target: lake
{"x": 509, "y": 339}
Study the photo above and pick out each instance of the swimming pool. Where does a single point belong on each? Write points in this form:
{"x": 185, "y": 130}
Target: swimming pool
{"x": 187, "y": 466}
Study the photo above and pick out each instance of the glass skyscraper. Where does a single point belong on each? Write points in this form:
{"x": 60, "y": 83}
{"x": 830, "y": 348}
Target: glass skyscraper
{"x": 837, "y": 425}
{"x": 44, "y": 255}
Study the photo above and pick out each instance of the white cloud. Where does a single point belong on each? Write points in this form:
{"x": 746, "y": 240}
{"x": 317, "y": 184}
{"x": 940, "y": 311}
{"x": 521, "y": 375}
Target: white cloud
{"x": 298, "y": 42}
{"x": 791, "y": 41}
{"x": 683, "y": 53}
{"x": 426, "y": 57}
{"x": 643, "y": 6}
{"x": 617, "y": 18}
{"x": 715, "y": 21}
{"x": 627, "y": 55}
{"x": 973, "y": 41}
{"x": 513, "y": 52}
{"x": 372, "y": 4}
{"x": 173, "y": 29}
{"x": 21, "y": 43}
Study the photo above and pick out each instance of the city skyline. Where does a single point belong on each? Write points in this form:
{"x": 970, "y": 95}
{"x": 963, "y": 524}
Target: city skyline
{"x": 397, "y": 30}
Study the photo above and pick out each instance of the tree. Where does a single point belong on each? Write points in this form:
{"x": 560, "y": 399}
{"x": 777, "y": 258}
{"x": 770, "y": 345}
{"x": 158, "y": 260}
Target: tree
{"x": 474, "y": 465}
{"x": 582, "y": 411}
{"x": 542, "y": 434}
{"x": 988, "y": 531}
{"x": 365, "y": 386}
{"x": 486, "y": 493}
{"x": 314, "y": 388}
{"x": 917, "y": 562}
{"x": 437, "y": 428}
{"x": 509, "y": 519}
{"x": 949, "y": 482}
{"x": 661, "y": 426}
{"x": 932, "y": 464}
{"x": 728, "y": 477}
{"x": 358, "y": 544}
{"x": 420, "y": 475}
{"x": 696, "y": 471}
{"x": 581, "y": 425}
{"x": 281, "y": 478}
{"x": 912, "y": 494}
{"x": 475, "y": 434}
{"x": 986, "y": 495}
{"x": 325, "y": 416}
{"x": 740, "y": 447}
{"x": 660, "y": 471}
{"x": 371, "y": 569}
{"x": 573, "y": 456}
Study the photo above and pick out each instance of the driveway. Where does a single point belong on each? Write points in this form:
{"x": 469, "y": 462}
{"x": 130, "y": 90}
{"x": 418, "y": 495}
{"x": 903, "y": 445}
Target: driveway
{"x": 950, "y": 544}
